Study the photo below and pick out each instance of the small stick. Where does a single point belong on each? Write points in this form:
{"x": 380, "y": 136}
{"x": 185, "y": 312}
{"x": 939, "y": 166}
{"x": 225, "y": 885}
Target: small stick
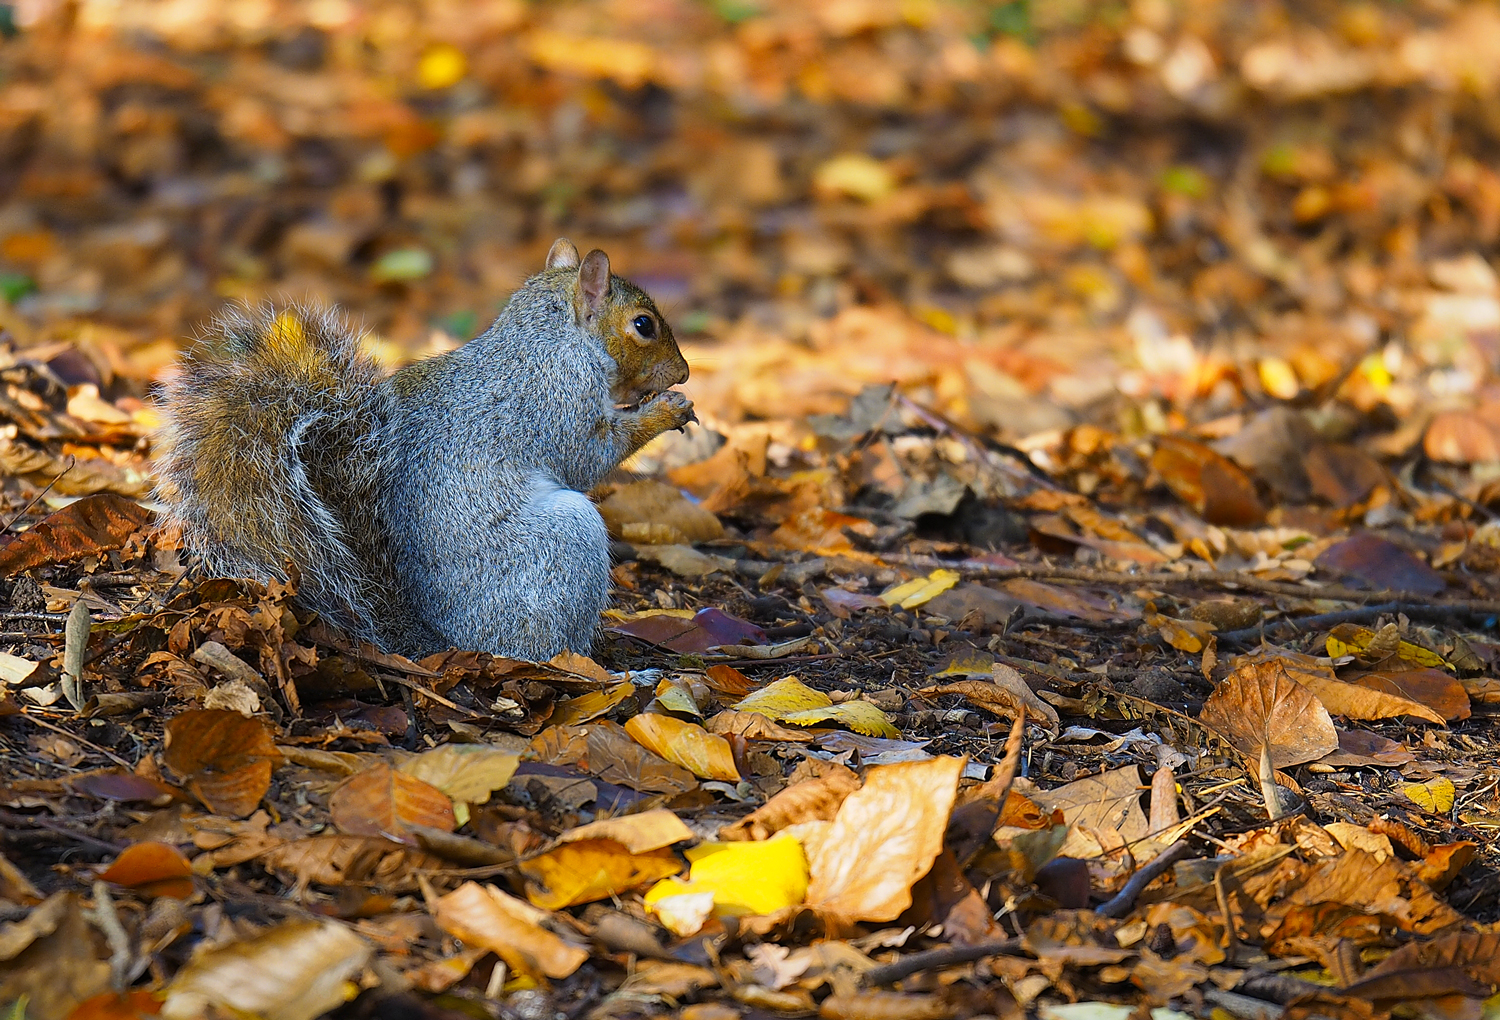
{"x": 1120, "y": 905}
{"x": 945, "y": 956}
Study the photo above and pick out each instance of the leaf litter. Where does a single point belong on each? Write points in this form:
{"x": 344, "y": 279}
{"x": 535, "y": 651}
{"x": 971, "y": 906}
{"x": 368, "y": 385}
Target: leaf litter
{"x": 1135, "y": 652}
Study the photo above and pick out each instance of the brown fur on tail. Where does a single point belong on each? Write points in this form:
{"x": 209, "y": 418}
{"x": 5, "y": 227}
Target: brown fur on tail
{"x": 272, "y": 452}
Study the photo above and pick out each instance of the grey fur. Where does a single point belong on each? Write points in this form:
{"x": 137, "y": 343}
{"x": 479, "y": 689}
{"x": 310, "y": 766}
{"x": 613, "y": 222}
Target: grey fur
{"x": 441, "y": 506}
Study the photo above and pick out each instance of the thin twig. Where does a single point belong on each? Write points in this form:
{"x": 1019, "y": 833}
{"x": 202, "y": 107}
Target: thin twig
{"x": 44, "y": 724}
{"x": 945, "y": 956}
{"x": 72, "y": 461}
{"x": 1120, "y": 905}
{"x": 1413, "y": 610}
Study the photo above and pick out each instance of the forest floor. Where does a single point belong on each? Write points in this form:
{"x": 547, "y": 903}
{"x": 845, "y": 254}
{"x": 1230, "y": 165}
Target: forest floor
{"x": 1078, "y": 599}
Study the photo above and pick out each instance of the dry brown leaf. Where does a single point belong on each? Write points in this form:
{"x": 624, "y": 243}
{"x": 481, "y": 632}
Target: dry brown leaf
{"x": 225, "y": 757}
{"x": 651, "y": 513}
{"x": 638, "y": 833}
{"x": 811, "y": 800}
{"x": 92, "y": 525}
{"x": 294, "y": 971}
{"x": 1440, "y": 692}
{"x": 885, "y": 836}
{"x": 1259, "y": 705}
{"x": 482, "y": 915}
{"x": 753, "y": 726}
{"x": 380, "y": 801}
{"x": 1356, "y": 701}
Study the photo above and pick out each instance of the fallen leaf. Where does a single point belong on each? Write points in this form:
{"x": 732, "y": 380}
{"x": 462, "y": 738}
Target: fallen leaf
{"x": 587, "y": 707}
{"x": 885, "y": 836}
{"x": 920, "y": 590}
{"x": 810, "y": 800}
{"x": 592, "y": 869}
{"x": 1356, "y": 701}
{"x": 1430, "y": 687}
{"x": 467, "y": 773}
{"x": 1209, "y": 482}
{"x": 637, "y": 833}
{"x": 225, "y": 757}
{"x": 653, "y": 513}
{"x": 752, "y": 726}
{"x": 87, "y": 527}
{"x": 1381, "y": 564}
{"x": 294, "y": 971}
{"x": 859, "y": 716}
{"x": 1456, "y": 963}
{"x": 152, "y": 868}
{"x": 482, "y": 915}
{"x": 380, "y": 801}
{"x": 687, "y": 744}
{"x": 743, "y": 878}
{"x": 782, "y": 697}
{"x": 1259, "y": 705}
{"x": 1434, "y": 796}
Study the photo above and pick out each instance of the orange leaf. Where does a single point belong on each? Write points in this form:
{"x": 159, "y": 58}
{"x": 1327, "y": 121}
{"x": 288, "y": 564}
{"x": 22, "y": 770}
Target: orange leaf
{"x": 702, "y": 753}
{"x": 482, "y": 915}
{"x": 135, "y": 1005}
{"x": 380, "y": 801}
{"x": 227, "y": 758}
{"x": 157, "y": 869}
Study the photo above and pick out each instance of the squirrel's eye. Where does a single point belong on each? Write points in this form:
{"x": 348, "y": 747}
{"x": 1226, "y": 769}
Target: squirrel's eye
{"x": 645, "y": 326}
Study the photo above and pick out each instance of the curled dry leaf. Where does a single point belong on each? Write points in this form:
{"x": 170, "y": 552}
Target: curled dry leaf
{"x": 811, "y": 800}
{"x": 1356, "y": 701}
{"x": 586, "y": 707}
{"x": 381, "y": 801}
{"x": 885, "y": 836}
{"x": 226, "y": 758}
{"x": 295, "y": 971}
{"x": 1457, "y": 963}
{"x": 687, "y": 744}
{"x": 1259, "y": 705}
{"x": 482, "y": 915}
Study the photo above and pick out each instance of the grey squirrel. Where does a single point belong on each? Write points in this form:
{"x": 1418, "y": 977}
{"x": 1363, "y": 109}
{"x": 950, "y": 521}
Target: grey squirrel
{"x": 441, "y": 506}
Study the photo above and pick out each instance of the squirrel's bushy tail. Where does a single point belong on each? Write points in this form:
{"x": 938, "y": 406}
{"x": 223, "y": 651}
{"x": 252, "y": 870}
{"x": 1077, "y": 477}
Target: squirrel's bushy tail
{"x": 271, "y": 452}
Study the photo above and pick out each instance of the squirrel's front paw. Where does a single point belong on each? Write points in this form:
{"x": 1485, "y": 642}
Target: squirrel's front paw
{"x": 676, "y": 410}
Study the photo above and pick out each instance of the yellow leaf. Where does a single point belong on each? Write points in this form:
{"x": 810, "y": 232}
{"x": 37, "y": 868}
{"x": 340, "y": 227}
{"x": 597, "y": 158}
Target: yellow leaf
{"x": 592, "y": 869}
{"x": 640, "y": 833}
{"x": 674, "y": 695}
{"x": 467, "y": 773}
{"x": 1346, "y": 639}
{"x": 441, "y": 66}
{"x": 856, "y": 175}
{"x": 859, "y": 716}
{"x": 779, "y": 699}
{"x": 704, "y": 754}
{"x": 1435, "y": 795}
{"x": 579, "y": 710}
{"x": 920, "y": 590}
{"x": 744, "y": 878}
{"x": 1278, "y": 378}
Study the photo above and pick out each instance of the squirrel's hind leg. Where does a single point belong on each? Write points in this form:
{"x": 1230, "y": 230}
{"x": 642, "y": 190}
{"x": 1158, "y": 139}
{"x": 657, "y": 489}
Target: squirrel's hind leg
{"x": 543, "y": 582}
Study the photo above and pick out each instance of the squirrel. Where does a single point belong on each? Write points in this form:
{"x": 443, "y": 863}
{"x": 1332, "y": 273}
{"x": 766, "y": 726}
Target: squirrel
{"x": 442, "y": 506}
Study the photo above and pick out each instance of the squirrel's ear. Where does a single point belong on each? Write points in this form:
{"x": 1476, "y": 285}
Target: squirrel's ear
{"x": 593, "y": 280}
{"x": 563, "y": 254}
